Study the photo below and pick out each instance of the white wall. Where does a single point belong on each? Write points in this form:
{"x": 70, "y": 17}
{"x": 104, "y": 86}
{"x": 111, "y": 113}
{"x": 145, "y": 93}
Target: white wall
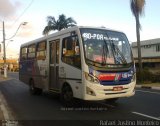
{"x": 146, "y": 51}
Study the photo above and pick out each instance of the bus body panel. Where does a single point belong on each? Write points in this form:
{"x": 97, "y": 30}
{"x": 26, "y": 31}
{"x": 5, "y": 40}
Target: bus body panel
{"x": 73, "y": 77}
{"x": 36, "y": 70}
{"x": 70, "y": 74}
{"x": 43, "y": 71}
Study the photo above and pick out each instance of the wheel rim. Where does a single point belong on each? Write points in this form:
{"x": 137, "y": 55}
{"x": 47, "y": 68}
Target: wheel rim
{"x": 67, "y": 94}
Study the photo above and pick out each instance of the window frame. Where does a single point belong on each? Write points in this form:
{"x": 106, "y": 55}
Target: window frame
{"x": 21, "y": 55}
{"x": 32, "y": 52}
{"x": 157, "y": 47}
{"x": 38, "y": 56}
{"x": 70, "y": 51}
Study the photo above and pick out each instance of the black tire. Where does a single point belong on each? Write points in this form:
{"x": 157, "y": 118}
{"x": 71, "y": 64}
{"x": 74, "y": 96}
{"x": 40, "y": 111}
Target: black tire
{"x": 39, "y": 91}
{"x": 33, "y": 90}
{"x": 67, "y": 96}
{"x": 112, "y": 100}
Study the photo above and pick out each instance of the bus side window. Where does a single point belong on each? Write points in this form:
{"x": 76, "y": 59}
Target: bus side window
{"x": 41, "y": 51}
{"x": 71, "y": 51}
{"x": 23, "y": 53}
{"x": 31, "y": 51}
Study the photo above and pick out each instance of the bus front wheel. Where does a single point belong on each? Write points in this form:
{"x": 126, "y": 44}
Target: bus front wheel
{"x": 67, "y": 95}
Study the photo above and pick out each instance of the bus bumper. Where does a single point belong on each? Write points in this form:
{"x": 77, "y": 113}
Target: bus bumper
{"x": 100, "y": 92}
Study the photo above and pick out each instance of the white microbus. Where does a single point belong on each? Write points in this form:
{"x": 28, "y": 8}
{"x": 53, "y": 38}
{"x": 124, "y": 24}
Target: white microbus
{"x": 79, "y": 62}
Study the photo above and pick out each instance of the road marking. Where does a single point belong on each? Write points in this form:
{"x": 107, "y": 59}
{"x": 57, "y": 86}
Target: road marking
{"x": 151, "y": 117}
{"x": 149, "y": 92}
{"x": 4, "y": 111}
{"x": 3, "y": 108}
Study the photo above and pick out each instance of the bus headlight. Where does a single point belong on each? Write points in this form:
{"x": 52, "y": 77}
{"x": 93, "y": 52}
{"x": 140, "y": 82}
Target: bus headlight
{"x": 91, "y": 78}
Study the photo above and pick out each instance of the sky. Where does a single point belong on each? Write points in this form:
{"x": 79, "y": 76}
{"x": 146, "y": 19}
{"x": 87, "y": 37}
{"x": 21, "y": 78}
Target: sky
{"x": 113, "y": 14}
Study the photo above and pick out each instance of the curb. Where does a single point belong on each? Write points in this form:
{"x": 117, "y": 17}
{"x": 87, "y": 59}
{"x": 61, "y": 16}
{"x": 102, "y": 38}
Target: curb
{"x": 148, "y": 87}
{"x": 5, "y": 110}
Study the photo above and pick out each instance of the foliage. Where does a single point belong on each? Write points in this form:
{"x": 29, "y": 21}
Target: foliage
{"x": 137, "y": 8}
{"x": 61, "y": 23}
{"x": 147, "y": 76}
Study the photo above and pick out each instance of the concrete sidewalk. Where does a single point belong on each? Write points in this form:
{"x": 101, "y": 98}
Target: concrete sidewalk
{"x": 148, "y": 87}
{"x": 5, "y": 111}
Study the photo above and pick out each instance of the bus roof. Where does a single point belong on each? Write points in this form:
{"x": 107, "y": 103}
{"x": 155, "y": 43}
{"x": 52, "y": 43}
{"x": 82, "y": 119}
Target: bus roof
{"x": 67, "y": 30}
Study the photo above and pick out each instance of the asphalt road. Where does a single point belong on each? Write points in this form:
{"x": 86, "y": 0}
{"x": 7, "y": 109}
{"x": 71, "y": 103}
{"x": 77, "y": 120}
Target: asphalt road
{"x": 47, "y": 109}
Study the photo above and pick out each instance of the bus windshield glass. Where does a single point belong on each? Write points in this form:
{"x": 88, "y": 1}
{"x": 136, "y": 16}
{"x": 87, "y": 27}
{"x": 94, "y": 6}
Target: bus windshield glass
{"x": 106, "y": 47}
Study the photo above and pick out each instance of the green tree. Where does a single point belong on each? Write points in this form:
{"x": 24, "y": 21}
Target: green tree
{"x": 61, "y": 23}
{"x": 137, "y": 8}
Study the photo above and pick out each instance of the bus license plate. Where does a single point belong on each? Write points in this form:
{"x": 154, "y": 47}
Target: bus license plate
{"x": 117, "y": 88}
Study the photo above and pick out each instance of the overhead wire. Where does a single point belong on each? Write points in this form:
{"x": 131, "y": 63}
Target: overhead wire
{"x": 23, "y": 12}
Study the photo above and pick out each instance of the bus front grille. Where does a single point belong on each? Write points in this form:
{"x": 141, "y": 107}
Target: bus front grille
{"x": 115, "y": 93}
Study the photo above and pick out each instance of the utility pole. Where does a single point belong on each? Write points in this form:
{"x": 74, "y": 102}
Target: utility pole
{"x": 4, "y": 46}
{"x": 4, "y": 52}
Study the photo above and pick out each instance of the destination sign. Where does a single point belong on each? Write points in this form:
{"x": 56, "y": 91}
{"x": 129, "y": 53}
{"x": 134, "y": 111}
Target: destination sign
{"x": 98, "y": 37}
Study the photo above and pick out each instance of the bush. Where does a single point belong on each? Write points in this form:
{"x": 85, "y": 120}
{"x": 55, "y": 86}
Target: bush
{"x": 147, "y": 77}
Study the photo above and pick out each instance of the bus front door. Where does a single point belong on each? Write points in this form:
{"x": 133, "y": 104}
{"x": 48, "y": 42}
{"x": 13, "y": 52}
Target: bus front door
{"x": 54, "y": 65}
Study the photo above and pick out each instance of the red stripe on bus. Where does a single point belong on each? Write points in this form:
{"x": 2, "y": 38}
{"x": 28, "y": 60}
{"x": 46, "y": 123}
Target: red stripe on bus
{"x": 107, "y": 77}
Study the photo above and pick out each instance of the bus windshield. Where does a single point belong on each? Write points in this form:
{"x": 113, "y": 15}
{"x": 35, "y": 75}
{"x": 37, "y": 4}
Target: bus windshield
{"x": 106, "y": 47}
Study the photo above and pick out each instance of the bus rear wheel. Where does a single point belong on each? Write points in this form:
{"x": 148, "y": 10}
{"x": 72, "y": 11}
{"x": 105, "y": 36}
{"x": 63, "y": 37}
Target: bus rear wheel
{"x": 33, "y": 90}
{"x": 67, "y": 96}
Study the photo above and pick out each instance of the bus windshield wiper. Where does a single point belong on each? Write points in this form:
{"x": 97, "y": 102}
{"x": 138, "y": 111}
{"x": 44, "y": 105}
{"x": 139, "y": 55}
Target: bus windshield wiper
{"x": 116, "y": 49}
{"x": 103, "y": 56}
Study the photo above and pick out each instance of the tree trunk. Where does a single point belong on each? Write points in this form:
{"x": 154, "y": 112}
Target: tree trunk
{"x": 139, "y": 48}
